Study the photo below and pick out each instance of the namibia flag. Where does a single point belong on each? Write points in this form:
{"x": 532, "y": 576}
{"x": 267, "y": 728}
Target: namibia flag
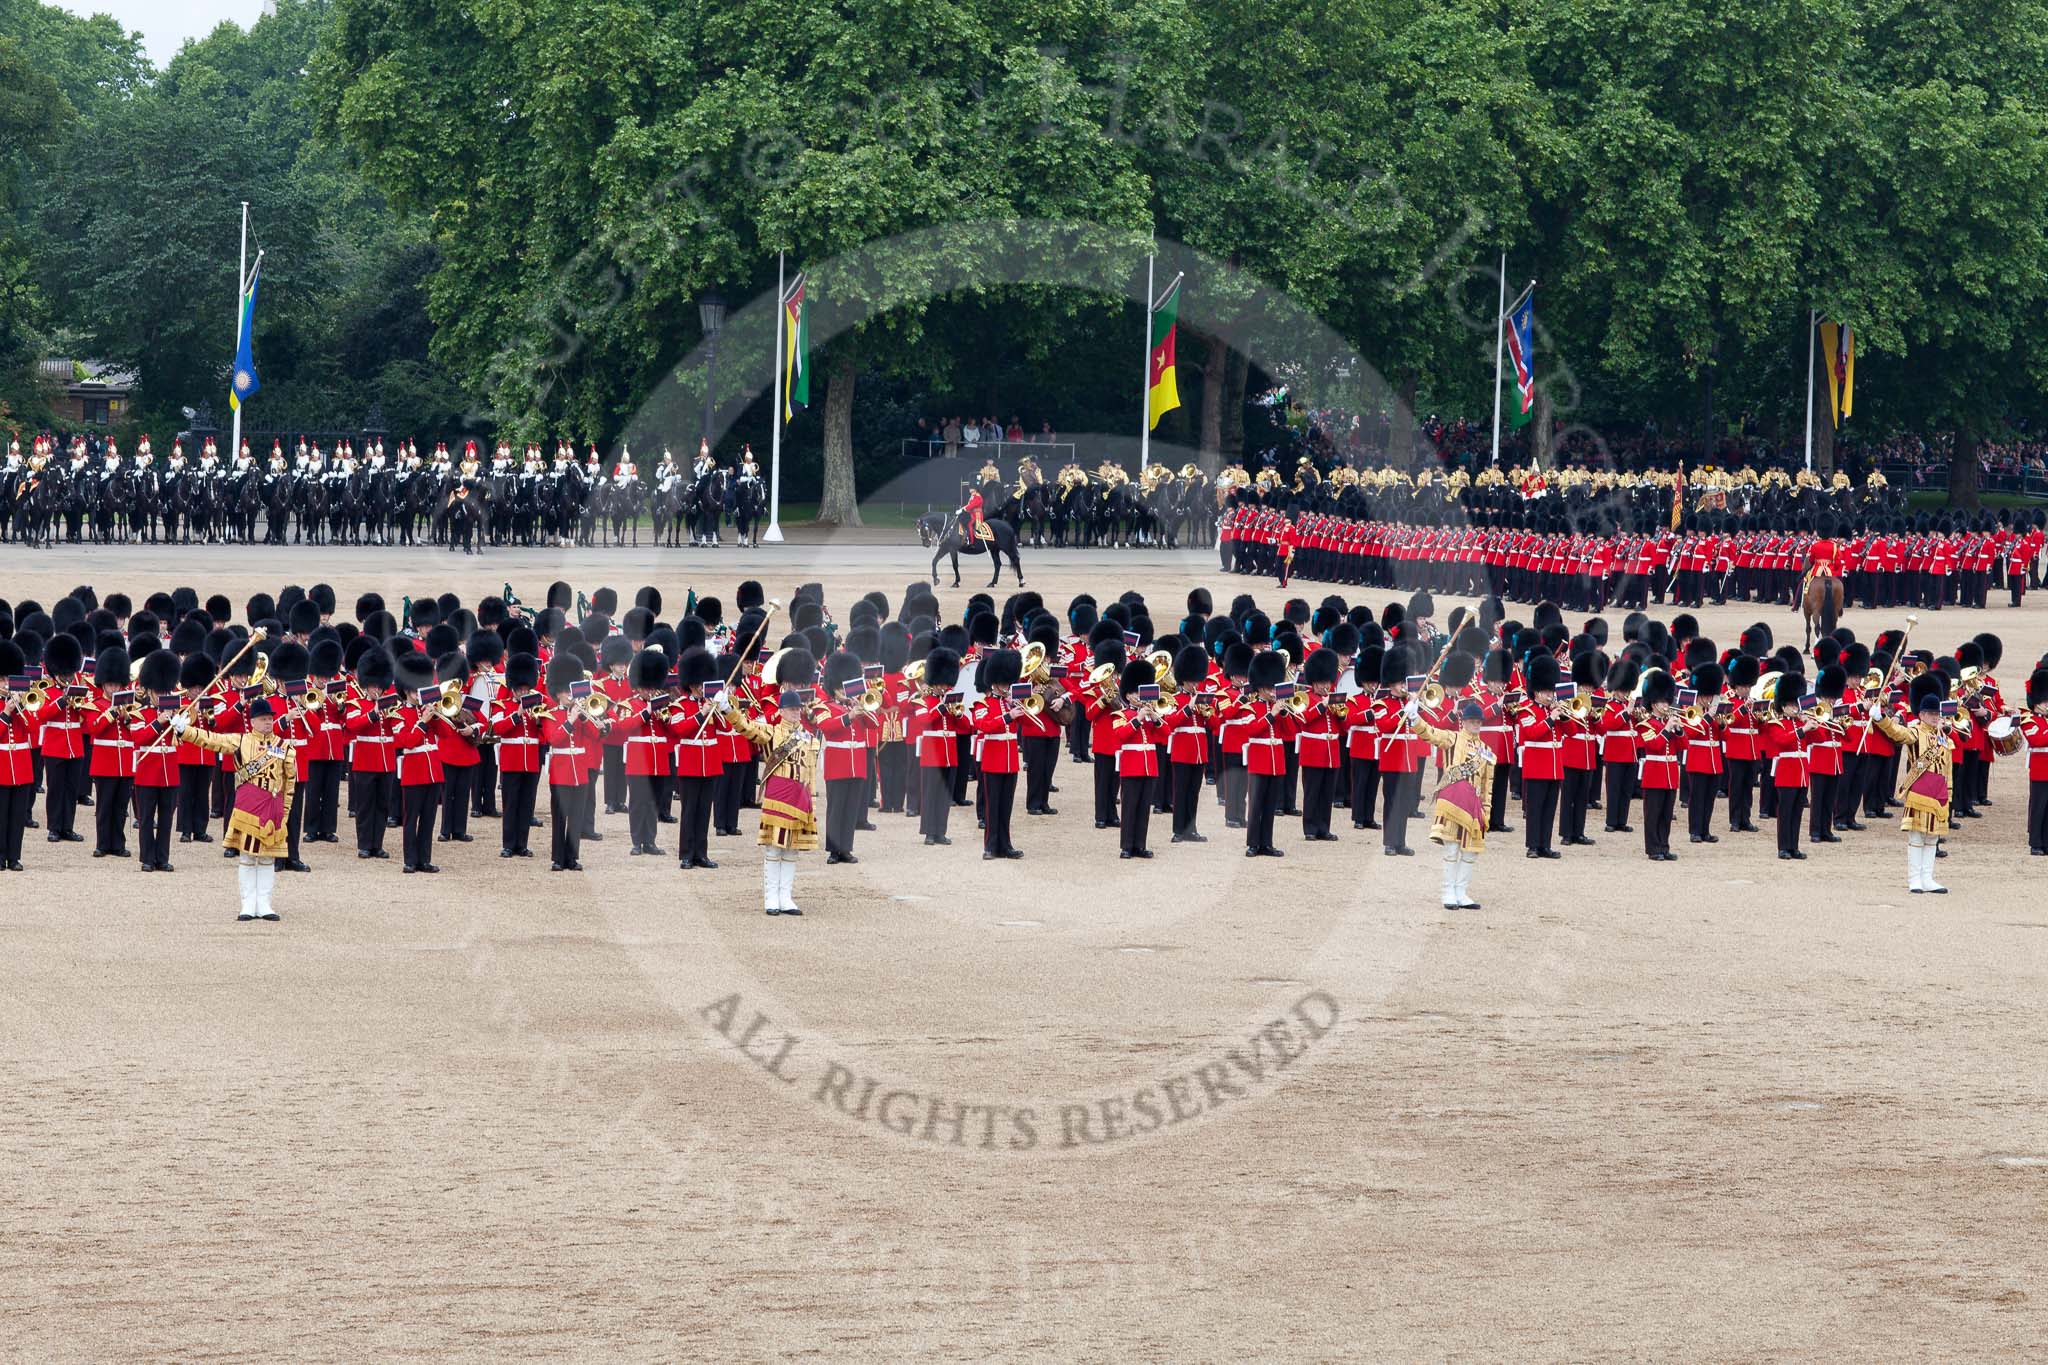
{"x": 244, "y": 384}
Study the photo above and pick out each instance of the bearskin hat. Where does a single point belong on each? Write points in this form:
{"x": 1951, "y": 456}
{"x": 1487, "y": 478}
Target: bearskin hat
{"x": 290, "y": 663}
{"x": 1785, "y": 695}
{"x": 648, "y": 670}
{"x": 375, "y": 672}
{"x": 522, "y": 673}
{"x": 1790, "y": 660}
{"x": 1684, "y": 626}
{"x": 1708, "y": 679}
{"x": 1543, "y": 673}
{"x": 1993, "y": 649}
{"x": 1395, "y": 665}
{"x": 1321, "y": 667}
{"x": 1190, "y": 665}
{"x": 841, "y": 669}
{"x": 111, "y": 668}
{"x": 1743, "y": 671}
{"x": 1005, "y": 666}
{"x": 2037, "y": 687}
{"x": 1258, "y": 629}
{"x": 485, "y": 647}
{"x": 1200, "y": 603}
{"x": 158, "y": 673}
{"x": 563, "y": 670}
{"x": 1827, "y": 651}
{"x": 415, "y": 673}
{"x": 1136, "y": 674}
{"x": 1238, "y": 659}
{"x": 303, "y": 618}
{"x": 895, "y": 647}
{"x": 1456, "y": 672}
{"x": 1832, "y": 683}
{"x": 1929, "y": 690}
{"x": 1588, "y": 668}
{"x": 195, "y": 671}
{"x": 615, "y": 651}
{"x": 1267, "y": 670}
{"x": 942, "y": 668}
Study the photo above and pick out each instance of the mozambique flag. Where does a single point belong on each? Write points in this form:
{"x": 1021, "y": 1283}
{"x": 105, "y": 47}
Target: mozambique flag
{"x": 1163, "y": 394}
{"x": 1522, "y": 350}
{"x": 244, "y": 384}
{"x": 796, "y": 377}
{"x": 1839, "y": 343}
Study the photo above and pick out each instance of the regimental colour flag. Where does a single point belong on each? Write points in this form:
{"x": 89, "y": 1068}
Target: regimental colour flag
{"x": 1838, "y": 347}
{"x": 1521, "y": 329}
{"x": 1162, "y": 392}
{"x": 243, "y": 385}
{"x": 796, "y": 378}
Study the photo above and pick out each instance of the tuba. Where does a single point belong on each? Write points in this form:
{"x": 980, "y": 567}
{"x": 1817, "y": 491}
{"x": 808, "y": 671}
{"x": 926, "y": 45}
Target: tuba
{"x": 449, "y": 704}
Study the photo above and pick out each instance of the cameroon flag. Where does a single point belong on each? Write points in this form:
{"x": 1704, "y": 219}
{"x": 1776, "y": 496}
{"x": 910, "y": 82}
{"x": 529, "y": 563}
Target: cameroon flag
{"x": 1163, "y": 395}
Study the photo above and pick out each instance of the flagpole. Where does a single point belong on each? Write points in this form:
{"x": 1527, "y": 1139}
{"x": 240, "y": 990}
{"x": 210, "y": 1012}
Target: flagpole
{"x": 241, "y": 287}
{"x": 1810, "y": 318}
{"x": 773, "y": 535}
{"x": 1145, "y": 389}
{"x": 1500, "y": 322}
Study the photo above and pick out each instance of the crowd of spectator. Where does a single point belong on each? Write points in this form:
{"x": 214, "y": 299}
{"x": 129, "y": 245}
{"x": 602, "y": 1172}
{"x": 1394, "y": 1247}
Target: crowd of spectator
{"x": 952, "y": 437}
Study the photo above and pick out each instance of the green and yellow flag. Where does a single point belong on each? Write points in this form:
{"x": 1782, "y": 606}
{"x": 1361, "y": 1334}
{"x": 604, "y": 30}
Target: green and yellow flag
{"x": 1838, "y": 346}
{"x": 1163, "y": 394}
{"x": 796, "y": 376}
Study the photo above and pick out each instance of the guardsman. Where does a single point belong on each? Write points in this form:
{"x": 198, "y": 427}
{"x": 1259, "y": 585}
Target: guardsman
{"x": 1458, "y": 817}
{"x": 1539, "y": 744}
{"x": 1926, "y": 747}
{"x": 61, "y": 724}
{"x": 17, "y": 755}
{"x": 517, "y": 719}
{"x": 994, "y": 720}
{"x": 784, "y": 729}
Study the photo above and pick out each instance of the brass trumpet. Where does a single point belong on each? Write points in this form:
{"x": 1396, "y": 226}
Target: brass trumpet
{"x": 596, "y": 707}
{"x": 449, "y": 704}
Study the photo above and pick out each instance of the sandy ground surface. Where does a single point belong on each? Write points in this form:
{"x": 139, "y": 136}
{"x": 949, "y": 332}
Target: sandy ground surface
{"x": 1215, "y": 1109}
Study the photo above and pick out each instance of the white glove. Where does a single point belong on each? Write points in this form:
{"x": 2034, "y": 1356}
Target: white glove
{"x": 180, "y": 723}
{"x": 1412, "y": 709}
{"x": 722, "y": 703}
{"x": 1876, "y": 709}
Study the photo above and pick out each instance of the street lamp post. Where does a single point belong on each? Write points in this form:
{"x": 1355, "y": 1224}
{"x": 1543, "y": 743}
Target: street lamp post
{"x": 711, "y": 316}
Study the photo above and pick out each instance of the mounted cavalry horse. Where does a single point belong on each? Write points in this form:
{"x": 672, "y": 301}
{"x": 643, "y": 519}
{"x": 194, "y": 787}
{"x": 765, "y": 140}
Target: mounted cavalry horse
{"x": 942, "y": 529}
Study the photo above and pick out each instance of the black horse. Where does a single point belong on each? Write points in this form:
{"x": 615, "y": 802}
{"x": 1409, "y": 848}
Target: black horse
{"x": 942, "y": 529}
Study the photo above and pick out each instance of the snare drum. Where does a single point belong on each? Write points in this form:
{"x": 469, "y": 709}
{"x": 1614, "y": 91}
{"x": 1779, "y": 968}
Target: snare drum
{"x": 2005, "y": 737}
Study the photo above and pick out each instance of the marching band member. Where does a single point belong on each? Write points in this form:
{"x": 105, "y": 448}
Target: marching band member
{"x": 1539, "y": 742}
{"x": 1741, "y": 742}
{"x": 417, "y": 727}
{"x": 459, "y": 745}
{"x": 109, "y": 726}
{"x": 156, "y": 758}
{"x": 372, "y": 752}
{"x": 1458, "y": 820}
{"x": 1318, "y": 745}
{"x": 1038, "y": 735}
{"x": 1927, "y": 746}
{"x": 2034, "y": 730}
{"x": 265, "y": 775}
{"x": 1784, "y": 738}
{"x": 569, "y": 733}
{"x": 518, "y": 725}
{"x": 648, "y": 742}
{"x": 939, "y": 727}
{"x": 845, "y": 727}
{"x": 699, "y": 758}
{"x": 1659, "y": 738}
{"x": 1618, "y": 743}
{"x": 1362, "y": 742}
{"x": 1234, "y": 722}
{"x": 1265, "y": 751}
{"x": 1824, "y": 756}
{"x": 1189, "y": 722}
{"x": 1580, "y": 733}
{"x": 17, "y": 756}
{"x": 61, "y": 723}
{"x": 1137, "y": 729}
{"x": 789, "y": 823}
{"x": 995, "y": 720}
{"x": 1400, "y": 754}
{"x": 1702, "y": 741}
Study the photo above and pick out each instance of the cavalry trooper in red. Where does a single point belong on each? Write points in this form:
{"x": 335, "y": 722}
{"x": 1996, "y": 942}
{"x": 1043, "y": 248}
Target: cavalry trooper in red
{"x": 1784, "y": 738}
{"x": 1188, "y": 724}
{"x": 846, "y": 729}
{"x": 517, "y": 722}
{"x": 2033, "y": 729}
{"x": 372, "y": 751}
{"x": 62, "y": 725}
{"x": 648, "y": 744}
{"x": 1540, "y": 744}
{"x": 1138, "y": 729}
{"x": 1658, "y": 738}
{"x": 994, "y": 721}
{"x": 1318, "y": 745}
{"x": 1265, "y": 751}
{"x": 110, "y": 727}
{"x": 940, "y": 723}
{"x": 417, "y": 725}
{"x": 17, "y": 755}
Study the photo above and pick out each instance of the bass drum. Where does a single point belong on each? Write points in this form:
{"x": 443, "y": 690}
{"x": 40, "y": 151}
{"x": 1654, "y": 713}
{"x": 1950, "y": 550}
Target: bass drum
{"x": 2005, "y": 737}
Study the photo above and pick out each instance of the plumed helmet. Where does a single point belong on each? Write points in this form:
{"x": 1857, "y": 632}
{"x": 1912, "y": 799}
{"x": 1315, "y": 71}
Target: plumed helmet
{"x": 1268, "y": 670}
{"x": 158, "y": 672}
{"x": 375, "y": 671}
{"x": 111, "y": 669}
{"x": 522, "y": 672}
{"x": 415, "y": 672}
{"x": 649, "y": 669}
{"x": 942, "y": 668}
{"x": 1321, "y": 667}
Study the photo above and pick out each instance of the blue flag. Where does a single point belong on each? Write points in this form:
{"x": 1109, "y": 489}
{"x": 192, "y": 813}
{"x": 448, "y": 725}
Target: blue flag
{"x": 1521, "y": 330}
{"x": 244, "y": 383}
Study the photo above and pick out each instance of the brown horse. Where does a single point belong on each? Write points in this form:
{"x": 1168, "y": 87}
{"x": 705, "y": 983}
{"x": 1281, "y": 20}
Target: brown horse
{"x": 1821, "y": 604}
